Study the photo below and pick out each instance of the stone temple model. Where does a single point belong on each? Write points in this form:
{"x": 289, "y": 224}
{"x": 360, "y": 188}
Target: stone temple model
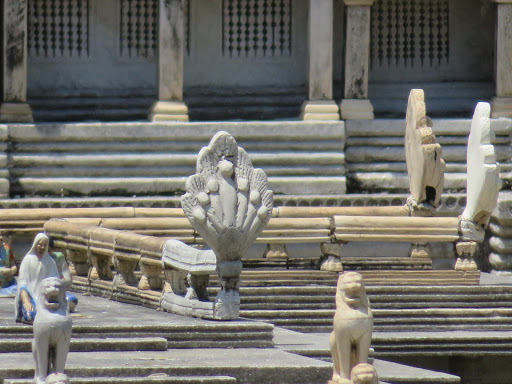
{"x": 229, "y": 205}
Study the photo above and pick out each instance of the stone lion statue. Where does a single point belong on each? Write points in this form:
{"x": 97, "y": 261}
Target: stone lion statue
{"x": 52, "y": 330}
{"x": 364, "y": 374}
{"x": 353, "y": 325}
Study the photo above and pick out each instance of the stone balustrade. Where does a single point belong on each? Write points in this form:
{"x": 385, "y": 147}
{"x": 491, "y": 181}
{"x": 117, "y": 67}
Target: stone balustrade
{"x": 104, "y": 253}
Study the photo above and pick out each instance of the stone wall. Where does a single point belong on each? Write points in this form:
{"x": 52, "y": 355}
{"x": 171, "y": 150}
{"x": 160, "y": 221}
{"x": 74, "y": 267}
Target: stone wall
{"x": 93, "y": 59}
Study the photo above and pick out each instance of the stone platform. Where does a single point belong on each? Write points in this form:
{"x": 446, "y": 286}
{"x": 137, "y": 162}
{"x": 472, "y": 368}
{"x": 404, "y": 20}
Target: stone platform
{"x": 195, "y": 349}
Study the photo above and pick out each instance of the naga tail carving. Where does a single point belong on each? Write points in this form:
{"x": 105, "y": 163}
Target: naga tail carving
{"x": 227, "y": 200}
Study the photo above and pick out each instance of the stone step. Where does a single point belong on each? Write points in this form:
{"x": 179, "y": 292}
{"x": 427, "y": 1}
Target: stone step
{"x": 312, "y": 327}
{"x": 349, "y": 263}
{"x": 151, "y": 379}
{"x": 92, "y": 344}
{"x": 329, "y": 305}
{"x": 383, "y": 291}
{"x": 248, "y": 366}
{"x": 99, "y": 318}
{"x": 388, "y": 277}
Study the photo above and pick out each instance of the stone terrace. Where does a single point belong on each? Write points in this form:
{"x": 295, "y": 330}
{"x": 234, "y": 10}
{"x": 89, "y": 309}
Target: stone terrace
{"x": 120, "y": 343}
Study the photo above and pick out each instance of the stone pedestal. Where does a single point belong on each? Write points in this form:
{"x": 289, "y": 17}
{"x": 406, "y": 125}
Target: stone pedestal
{"x": 171, "y": 44}
{"x": 169, "y": 111}
{"x": 14, "y": 63}
{"x": 355, "y": 104}
{"x": 320, "y": 105}
{"x": 319, "y": 110}
{"x": 502, "y": 104}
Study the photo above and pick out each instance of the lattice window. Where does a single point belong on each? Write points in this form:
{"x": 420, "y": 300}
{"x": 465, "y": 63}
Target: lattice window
{"x": 58, "y": 28}
{"x": 257, "y": 28}
{"x": 139, "y": 27}
{"x": 409, "y": 33}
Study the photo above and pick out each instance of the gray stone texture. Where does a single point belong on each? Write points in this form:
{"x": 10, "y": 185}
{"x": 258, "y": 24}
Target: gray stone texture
{"x": 320, "y": 49}
{"x": 357, "y": 51}
{"x": 154, "y": 159}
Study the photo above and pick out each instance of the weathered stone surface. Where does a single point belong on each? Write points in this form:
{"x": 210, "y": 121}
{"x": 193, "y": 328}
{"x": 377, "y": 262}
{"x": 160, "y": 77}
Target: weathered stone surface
{"x": 356, "y": 109}
{"x": 320, "y": 38}
{"x": 142, "y": 158}
{"x": 14, "y": 62}
{"x": 355, "y": 103}
{"x": 425, "y": 167}
{"x": 168, "y": 111}
{"x": 171, "y": 44}
{"x": 483, "y": 183}
{"x": 357, "y": 51}
{"x": 319, "y": 110}
{"x": 352, "y": 327}
{"x": 52, "y": 330}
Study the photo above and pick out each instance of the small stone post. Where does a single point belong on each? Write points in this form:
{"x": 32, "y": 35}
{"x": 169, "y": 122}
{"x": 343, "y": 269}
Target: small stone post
{"x": 320, "y": 105}
{"x": 355, "y": 104}
{"x": 171, "y": 44}
{"x": 502, "y": 103}
{"x": 14, "y": 107}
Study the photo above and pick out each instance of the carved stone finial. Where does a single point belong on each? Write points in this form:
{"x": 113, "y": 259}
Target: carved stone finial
{"x": 425, "y": 166}
{"x": 228, "y": 204}
{"x": 483, "y": 181}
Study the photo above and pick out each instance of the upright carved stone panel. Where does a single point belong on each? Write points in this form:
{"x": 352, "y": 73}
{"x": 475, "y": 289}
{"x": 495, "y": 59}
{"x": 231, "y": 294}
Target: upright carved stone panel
{"x": 483, "y": 181}
{"x": 425, "y": 166}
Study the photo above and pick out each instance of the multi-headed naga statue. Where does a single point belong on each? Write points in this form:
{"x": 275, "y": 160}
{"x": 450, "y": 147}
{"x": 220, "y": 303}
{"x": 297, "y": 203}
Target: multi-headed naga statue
{"x": 228, "y": 204}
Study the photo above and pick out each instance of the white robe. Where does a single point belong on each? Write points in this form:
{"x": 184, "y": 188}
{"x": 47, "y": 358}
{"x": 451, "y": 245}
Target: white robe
{"x": 33, "y": 271}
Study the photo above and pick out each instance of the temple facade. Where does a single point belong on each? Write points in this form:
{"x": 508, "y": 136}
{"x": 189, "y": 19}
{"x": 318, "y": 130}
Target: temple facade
{"x": 179, "y": 60}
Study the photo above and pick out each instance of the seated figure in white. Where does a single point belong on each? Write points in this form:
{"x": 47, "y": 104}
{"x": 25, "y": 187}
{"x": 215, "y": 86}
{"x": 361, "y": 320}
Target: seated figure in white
{"x": 36, "y": 266}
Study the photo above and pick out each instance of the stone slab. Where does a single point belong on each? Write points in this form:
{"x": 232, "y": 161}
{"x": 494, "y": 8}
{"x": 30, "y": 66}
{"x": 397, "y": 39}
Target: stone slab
{"x": 202, "y": 131}
{"x": 96, "y": 317}
{"x": 153, "y": 379}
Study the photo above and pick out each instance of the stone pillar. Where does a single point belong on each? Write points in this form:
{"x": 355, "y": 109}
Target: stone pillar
{"x": 14, "y": 63}
{"x": 320, "y": 105}
{"x": 355, "y": 103}
{"x": 502, "y": 103}
{"x": 171, "y": 47}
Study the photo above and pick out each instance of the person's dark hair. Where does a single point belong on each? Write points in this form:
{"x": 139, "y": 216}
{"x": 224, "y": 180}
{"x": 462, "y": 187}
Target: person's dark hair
{"x": 50, "y": 242}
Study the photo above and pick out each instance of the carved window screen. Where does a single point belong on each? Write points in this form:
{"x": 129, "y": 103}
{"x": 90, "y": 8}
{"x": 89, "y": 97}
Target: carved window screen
{"x": 257, "y": 28}
{"x": 139, "y": 28}
{"x": 410, "y": 33}
{"x": 58, "y": 28}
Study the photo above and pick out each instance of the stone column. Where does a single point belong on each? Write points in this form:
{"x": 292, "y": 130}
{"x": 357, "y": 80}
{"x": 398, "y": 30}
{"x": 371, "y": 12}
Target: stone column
{"x": 355, "y": 103}
{"x": 502, "y": 103}
{"x": 320, "y": 105}
{"x": 14, "y": 63}
{"x": 171, "y": 44}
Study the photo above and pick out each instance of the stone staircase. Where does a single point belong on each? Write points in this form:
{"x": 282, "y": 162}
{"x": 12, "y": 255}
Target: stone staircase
{"x": 116, "y": 343}
{"x": 438, "y": 301}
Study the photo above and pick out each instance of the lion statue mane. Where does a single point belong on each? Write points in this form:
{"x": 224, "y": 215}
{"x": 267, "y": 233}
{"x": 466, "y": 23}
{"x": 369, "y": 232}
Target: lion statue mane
{"x": 52, "y": 330}
{"x": 352, "y": 327}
